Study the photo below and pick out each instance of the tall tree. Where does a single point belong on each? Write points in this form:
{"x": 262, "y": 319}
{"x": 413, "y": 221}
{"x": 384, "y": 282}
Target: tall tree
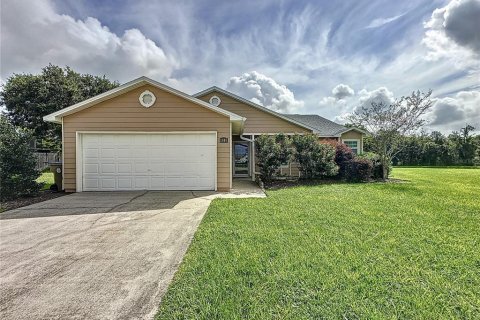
{"x": 389, "y": 124}
{"x": 28, "y": 98}
{"x": 17, "y": 162}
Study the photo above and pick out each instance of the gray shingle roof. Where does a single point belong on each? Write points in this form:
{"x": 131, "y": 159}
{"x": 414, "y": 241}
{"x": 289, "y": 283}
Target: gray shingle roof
{"x": 324, "y": 126}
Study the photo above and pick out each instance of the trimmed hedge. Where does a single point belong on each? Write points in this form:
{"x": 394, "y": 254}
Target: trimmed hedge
{"x": 358, "y": 170}
{"x": 315, "y": 159}
{"x": 377, "y": 171}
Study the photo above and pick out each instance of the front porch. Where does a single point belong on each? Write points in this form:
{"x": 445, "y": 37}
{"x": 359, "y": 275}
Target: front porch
{"x": 243, "y": 157}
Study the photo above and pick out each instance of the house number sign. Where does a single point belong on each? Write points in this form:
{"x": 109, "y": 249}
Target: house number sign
{"x": 223, "y": 140}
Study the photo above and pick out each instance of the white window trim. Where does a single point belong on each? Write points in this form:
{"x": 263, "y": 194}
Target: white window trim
{"x": 359, "y": 146}
{"x": 143, "y": 103}
{"x": 215, "y": 97}
{"x": 79, "y": 150}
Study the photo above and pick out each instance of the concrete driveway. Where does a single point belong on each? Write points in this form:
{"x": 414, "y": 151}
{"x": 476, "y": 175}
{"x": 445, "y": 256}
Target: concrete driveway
{"x": 96, "y": 255}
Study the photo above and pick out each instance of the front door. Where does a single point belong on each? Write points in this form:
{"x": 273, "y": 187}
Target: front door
{"x": 241, "y": 159}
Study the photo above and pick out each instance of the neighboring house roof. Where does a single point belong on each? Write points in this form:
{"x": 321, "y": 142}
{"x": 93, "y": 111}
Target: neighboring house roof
{"x": 323, "y": 127}
{"x": 257, "y": 106}
{"x": 57, "y": 116}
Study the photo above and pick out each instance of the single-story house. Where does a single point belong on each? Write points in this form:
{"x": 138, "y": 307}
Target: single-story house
{"x": 144, "y": 135}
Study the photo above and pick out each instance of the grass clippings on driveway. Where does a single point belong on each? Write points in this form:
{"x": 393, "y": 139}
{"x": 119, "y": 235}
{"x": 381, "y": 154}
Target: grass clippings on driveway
{"x": 340, "y": 251}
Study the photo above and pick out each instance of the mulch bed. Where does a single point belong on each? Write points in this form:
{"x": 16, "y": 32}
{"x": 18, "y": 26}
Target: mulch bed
{"x": 26, "y": 201}
{"x": 281, "y": 184}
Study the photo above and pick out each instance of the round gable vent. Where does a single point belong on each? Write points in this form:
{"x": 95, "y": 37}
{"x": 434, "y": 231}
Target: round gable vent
{"x": 147, "y": 99}
{"x": 215, "y": 101}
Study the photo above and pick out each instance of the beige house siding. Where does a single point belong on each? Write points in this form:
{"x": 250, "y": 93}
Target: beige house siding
{"x": 354, "y": 135}
{"x": 124, "y": 113}
{"x": 258, "y": 121}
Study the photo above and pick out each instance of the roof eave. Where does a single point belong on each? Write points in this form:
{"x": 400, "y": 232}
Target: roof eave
{"x": 353, "y": 128}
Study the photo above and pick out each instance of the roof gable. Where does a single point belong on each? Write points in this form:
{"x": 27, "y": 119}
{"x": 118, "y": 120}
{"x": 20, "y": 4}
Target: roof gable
{"x": 124, "y": 88}
{"x": 254, "y": 105}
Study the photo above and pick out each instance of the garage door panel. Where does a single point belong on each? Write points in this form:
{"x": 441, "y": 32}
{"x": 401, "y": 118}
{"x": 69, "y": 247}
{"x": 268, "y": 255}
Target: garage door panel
{"x": 142, "y": 183}
{"x": 107, "y": 152}
{"x": 205, "y": 169}
{"x": 124, "y": 152}
{"x": 174, "y": 183}
{"x": 158, "y": 140}
{"x": 106, "y": 139}
{"x": 157, "y": 167}
{"x": 125, "y": 183}
{"x": 141, "y": 167}
{"x": 207, "y": 154}
{"x": 107, "y": 168}
{"x": 91, "y": 139}
{"x": 157, "y": 152}
{"x": 157, "y": 183}
{"x": 91, "y": 168}
{"x": 149, "y": 161}
{"x": 179, "y": 169}
{"x": 90, "y": 183}
{"x": 108, "y": 183}
{"x": 178, "y": 140}
{"x": 123, "y": 168}
{"x": 140, "y": 152}
{"x": 141, "y": 140}
{"x": 205, "y": 140}
{"x": 90, "y": 153}
{"x": 205, "y": 182}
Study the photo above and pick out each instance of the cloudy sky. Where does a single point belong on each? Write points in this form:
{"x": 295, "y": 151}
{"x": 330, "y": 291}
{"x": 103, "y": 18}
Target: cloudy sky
{"x": 323, "y": 57}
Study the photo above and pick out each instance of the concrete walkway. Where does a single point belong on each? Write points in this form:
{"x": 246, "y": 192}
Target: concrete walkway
{"x": 97, "y": 255}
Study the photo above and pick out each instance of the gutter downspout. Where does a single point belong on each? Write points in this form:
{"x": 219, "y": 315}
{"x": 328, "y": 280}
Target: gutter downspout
{"x": 252, "y": 160}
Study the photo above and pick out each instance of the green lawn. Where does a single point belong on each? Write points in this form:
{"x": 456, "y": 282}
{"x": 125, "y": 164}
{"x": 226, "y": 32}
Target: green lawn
{"x": 343, "y": 251}
{"x": 47, "y": 179}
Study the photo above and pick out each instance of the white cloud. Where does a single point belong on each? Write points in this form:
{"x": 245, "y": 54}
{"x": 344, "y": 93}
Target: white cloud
{"x": 328, "y": 102}
{"x": 453, "y": 32}
{"x": 265, "y": 91}
{"x": 364, "y": 98}
{"x": 447, "y": 114}
{"x": 342, "y": 91}
{"x": 451, "y": 113}
{"x": 33, "y": 35}
{"x": 382, "y": 94}
{"x": 341, "y": 95}
{"x": 382, "y": 21}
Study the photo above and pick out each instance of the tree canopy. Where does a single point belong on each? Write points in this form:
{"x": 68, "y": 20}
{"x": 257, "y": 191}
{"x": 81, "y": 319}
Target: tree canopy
{"x": 459, "y": 148}
{"x": 27, "y": 98}
{"x": 389, "y": 124}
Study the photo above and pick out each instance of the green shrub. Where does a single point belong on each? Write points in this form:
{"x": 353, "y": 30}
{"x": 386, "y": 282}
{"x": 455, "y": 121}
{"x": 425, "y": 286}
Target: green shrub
{"x": 271, "y": 152}
{"x": 359, "y": 170}
{"x": 315, "y": 159}
{"x": 377, "y": 170}
{"x": 17, "y": 163}
{"x": 343, "y": 154}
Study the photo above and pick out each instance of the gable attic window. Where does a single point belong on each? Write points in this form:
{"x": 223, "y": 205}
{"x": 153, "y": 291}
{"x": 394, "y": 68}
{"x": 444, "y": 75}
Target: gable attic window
{"x": 215, "y": 101}
{"x": 147, "y": 99}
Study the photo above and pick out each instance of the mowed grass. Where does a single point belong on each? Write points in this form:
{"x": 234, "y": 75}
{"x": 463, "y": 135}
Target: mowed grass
{"x": 343, "y": 251}
{"x": 47, "y": 179}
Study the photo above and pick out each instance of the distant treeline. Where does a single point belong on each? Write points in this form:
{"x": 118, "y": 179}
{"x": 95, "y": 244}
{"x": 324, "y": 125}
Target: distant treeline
{"x": 460, "y": 148}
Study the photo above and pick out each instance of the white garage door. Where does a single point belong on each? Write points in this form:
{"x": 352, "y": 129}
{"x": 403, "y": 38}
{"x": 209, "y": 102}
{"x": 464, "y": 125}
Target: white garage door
{"x": 148, "y": 161}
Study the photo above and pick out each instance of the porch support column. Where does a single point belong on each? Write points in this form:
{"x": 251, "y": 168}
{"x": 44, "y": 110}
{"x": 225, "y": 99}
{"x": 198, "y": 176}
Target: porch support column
{"x": 253, "y": 158}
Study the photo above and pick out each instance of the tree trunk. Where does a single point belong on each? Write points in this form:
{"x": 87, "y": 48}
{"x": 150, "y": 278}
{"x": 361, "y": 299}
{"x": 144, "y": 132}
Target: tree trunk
{"x": 385, "y": 164}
